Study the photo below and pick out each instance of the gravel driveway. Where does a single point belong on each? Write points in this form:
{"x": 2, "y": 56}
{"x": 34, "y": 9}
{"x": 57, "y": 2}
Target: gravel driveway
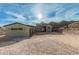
{"x": 41, "y": 45}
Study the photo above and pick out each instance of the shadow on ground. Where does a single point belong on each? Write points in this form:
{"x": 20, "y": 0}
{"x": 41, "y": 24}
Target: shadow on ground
{"x": 6, "y": 41}
{"x": 45, "y": 33}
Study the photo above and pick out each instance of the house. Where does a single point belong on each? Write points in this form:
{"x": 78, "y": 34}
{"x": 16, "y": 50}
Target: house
{"x": 43, "y": 28}
{"x": 74, "y": 26}
{"x": 18, "y": 29}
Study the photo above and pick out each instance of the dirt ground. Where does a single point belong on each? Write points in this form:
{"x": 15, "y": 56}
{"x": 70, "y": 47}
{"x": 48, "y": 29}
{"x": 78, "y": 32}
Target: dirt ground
{"x": 48, "y": 44}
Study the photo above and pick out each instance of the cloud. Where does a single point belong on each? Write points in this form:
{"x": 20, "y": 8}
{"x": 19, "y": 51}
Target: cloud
{"x": 16, "y": 15}
{"x": 27, "y": 13}
{"x": 19, "y": 17}
{"x": 71, "y": 13}
{"x": 47, "y": 11}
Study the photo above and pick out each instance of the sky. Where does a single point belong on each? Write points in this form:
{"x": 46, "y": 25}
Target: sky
{"x": 32, "y": 14}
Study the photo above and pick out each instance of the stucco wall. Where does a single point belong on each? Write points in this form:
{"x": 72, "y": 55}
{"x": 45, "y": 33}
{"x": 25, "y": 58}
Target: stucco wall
{"x": 49, "y": 28}
{"x": 24, "y": 32}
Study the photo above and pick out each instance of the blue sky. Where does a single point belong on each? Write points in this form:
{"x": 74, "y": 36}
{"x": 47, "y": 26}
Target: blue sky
{"x": 35, "y": 13}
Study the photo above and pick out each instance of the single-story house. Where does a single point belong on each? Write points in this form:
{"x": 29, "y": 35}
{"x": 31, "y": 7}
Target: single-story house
{"x": 18, "y": 29}
{"x": 73, "y": 26}
{"x": 43, "y": 28}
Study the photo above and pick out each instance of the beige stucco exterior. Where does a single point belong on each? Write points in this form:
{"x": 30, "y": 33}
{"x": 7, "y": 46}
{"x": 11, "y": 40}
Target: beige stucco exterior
{"x": 44, "y": 28}
{"x": 48, "y": 28}
{"x": 74, "y": 26}
{"x": 25, "y": 32}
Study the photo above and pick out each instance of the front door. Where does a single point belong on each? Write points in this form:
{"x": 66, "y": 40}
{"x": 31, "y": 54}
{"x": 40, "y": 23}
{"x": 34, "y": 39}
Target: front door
{"x": 44, "y": 29}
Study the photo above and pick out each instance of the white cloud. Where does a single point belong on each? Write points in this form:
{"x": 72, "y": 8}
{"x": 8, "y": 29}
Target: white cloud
{"x": 55, "y": 19}
{"x": 60, "y": 11}
{"x": 70, "y": 14}
{"x": 44, "y": 9}
{"x": 19, "y": 17}
{"x": 24, "y": 11}
{"x": 38, "y": 8}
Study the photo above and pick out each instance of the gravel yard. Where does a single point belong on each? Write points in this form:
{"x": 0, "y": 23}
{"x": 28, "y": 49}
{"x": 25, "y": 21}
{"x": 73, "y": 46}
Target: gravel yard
{"x": 41, "y": 44}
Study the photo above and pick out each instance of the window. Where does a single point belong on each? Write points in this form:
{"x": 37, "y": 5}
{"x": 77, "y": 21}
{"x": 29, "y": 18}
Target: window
{"x": 20, "y": 28}
{"x": 16, "y": 28}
